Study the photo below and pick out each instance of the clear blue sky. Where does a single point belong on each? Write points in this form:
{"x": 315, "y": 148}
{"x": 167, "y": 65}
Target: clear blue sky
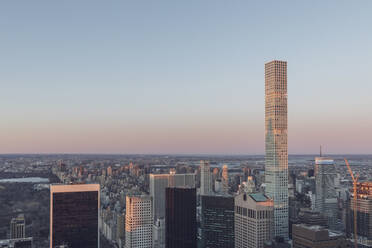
{"x": 182, "y": 76}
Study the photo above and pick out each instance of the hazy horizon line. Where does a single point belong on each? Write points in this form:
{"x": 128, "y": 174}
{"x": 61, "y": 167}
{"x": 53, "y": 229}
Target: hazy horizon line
{"x": 188, "y": 154}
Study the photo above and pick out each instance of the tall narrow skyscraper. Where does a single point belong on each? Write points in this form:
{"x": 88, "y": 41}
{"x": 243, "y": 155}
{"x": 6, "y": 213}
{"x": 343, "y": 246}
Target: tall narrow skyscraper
{"x": 205, "y": 178}
{"x": 225, "y": 179}
{"x": 74, "y": 211}
{"x": 276, "y": 147}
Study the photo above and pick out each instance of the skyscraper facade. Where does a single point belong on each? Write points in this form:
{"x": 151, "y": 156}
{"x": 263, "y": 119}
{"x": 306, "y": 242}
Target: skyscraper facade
{"x": 225, "y": 179}
{"x": 217, "y": 221}
{"x": 158, "y": 184}
{"x": 253, "y": 220}
{"x": 158, "y": 234}
{"x": 138, "y": 222}
{"x": 180, "y": 218}
{"x": 17, "y": 227}
{"x": 74, "y": 213}
{"x": 363, "y": 214}
{"x": 276, "y": 147}
{"x": 325, "y": 194}
{"x": 205, "y": 178}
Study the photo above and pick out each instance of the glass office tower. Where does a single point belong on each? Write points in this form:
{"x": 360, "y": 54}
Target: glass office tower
{"x": 180, "y": 218}
{"x": 217, "y": 223}
{"x": 74, "y": 212}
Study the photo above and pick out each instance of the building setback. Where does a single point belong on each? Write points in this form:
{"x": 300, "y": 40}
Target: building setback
{"x": 180, "y": 218}
{"x": 276, "y": 147}
{"x": 217, "y": 223}
{"x": 253, "y": 220}
{"x": 74, "y": 211}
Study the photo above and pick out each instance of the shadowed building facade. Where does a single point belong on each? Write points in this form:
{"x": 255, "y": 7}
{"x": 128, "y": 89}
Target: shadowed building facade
{"x": 307, "y": 236}
{"x": 217, "y": 221}
{"x": 276, "y": 147}
{"x": 364, "y": 214}
{"x": 326, "y": 196}
{"x": 180, "y": 218}
{"x": 74, "y": 211}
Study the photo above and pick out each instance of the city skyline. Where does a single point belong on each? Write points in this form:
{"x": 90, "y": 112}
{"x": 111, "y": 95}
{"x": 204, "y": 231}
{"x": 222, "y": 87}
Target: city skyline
{"x": 182, "y": 78}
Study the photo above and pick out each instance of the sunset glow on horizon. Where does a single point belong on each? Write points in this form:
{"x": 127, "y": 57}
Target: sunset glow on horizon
{"x": 82, "y": 77}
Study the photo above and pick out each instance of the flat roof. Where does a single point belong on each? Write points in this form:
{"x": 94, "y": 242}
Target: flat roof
{"x": 63, "y": 188}
{"x": 258, "y": 197}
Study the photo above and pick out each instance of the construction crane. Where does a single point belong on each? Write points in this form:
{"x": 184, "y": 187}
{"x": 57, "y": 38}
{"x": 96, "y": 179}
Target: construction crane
{"x": 355, "y": 182}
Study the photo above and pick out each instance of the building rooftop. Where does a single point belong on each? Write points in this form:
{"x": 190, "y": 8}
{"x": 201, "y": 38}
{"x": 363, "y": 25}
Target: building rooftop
{"x": 258, "y": 197}
{"x": 324, "y": 160}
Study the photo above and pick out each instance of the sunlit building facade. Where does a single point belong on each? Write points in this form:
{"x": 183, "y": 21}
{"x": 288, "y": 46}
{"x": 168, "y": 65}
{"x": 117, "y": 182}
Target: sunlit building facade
{"x": 225, "y": 179}
{"x": 205, "y": 178}
{"x": 253, "y": 220}
{"x": 138, "y": 222}
{"x": 276, "y": 147}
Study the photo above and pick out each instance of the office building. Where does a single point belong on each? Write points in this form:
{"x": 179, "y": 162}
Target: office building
{"x": 217, "y": 221}
{"x": 364, "y": 214}
{"x": 254, "y": 219}
{"x": 180, "y": 218}
{"x": 313, "y": 218}
{"x": 276, "y": 147}
{"x": 307, "y": 236}
{"x": 158, "y": 234}
{"x": 18, "y": 227}
{"x": 325, "y": 190}
{"x": 74, "y": 213}
{"x": 225, "y": 179}
{"x": 277, "y": 242}
{"x": 16, "y": 243}
{"x": 138, "y": 222}
{"x": 205, "y": 178}
{"x": 158, "y": 184}
{"x": 120, "y": 228}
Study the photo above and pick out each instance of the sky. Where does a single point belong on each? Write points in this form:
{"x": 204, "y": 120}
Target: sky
{"x": 182, "y": 77}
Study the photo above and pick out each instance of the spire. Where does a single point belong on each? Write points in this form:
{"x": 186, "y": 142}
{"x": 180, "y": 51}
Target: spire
{"x": 320, "y": 150}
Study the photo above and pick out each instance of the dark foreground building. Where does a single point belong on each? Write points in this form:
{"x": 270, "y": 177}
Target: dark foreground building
{"x": 16, "y": 243}
{"x": 180, "y": 217}
{"x": 217, "y": 221}
{"x": 74, "y": 211}
{"x": 307, "y": 236}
